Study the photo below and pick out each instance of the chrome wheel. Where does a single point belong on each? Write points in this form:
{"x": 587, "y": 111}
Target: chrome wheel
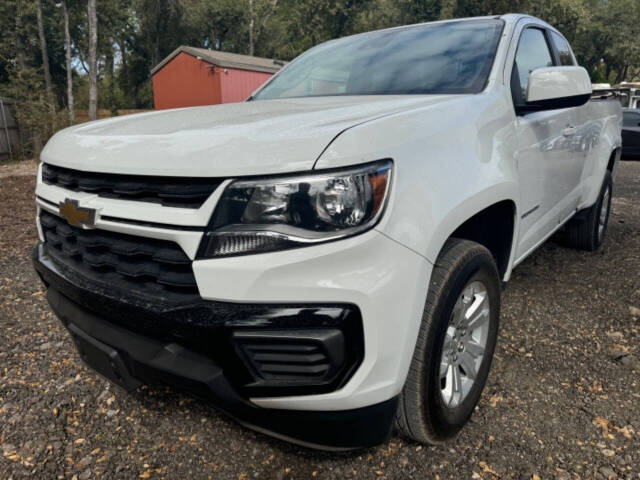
{"x": 464, "y": 344}
{"x": 604, "y": 213}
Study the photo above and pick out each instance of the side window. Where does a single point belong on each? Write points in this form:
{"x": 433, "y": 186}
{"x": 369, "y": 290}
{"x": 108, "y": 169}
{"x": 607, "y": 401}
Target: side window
{"x": 533, "y": 52}
{"x": 564, "y": 51}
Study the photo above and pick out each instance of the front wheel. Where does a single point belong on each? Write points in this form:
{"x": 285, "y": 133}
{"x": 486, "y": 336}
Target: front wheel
{"x": 455, "y": 344}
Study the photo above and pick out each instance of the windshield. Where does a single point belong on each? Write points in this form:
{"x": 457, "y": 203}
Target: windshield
{"x": 451, "y": 57}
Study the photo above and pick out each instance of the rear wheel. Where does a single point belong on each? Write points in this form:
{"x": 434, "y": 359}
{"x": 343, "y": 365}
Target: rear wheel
{"x": 455, "y": 344}
{"x": 588, "y": 229}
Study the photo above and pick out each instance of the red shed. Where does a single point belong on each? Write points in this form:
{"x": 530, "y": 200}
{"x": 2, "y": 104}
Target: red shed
{"x": 192, "y": 76}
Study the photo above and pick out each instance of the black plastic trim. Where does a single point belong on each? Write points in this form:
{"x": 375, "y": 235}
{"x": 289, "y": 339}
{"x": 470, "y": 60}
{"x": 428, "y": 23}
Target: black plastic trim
{"x": 149, "y": 267}
{"x": 553, "y": 104}
{"x": 207, "y": 327}
{"x": 142, "y": 223}
{"x": 141, "y": 359}
{"x": 181, "y": 192}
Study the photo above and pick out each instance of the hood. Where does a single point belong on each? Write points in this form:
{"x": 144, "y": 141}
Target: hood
{"x": 250, "y": 138}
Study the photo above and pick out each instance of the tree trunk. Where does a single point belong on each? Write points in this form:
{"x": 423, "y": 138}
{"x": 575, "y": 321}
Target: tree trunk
{"x": 251, "y": 26}
{"x": 19, "y": 43}
{"x": 67, "y": 49}
{"x": 93, "y": 61}
{"x": 124, "y": 69}
{"x": 620, "y": 76}
{"x": 110, "y": 72}
{"x": 45, "y": 57}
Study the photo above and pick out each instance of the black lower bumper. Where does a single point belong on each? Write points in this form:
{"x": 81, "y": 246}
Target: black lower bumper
{"x": 130, "y": 358}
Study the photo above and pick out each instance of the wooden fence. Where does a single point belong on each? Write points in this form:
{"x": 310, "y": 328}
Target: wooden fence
{"x": 9, "y": 131}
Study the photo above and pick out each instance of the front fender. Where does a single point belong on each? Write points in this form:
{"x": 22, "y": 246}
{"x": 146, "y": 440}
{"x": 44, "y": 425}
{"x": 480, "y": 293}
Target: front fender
{"x": 450, "y": 162}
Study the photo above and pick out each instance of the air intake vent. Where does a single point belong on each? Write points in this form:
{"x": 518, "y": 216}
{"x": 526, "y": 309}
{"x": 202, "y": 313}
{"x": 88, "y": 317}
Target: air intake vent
{"x": 185, "y": 192}
{"x": 292, "y": 357}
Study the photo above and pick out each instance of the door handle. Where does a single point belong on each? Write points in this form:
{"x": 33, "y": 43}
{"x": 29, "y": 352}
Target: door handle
{"x": 569, "y": 131}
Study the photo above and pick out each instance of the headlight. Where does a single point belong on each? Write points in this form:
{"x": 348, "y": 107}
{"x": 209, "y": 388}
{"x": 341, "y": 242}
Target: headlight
{"x": 277, "y": 213}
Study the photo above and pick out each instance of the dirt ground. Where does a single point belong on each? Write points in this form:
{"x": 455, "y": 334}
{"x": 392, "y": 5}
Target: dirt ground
{"x": 562, "y": 400}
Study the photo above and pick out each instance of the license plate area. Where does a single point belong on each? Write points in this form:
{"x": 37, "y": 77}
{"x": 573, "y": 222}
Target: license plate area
{"x": 103, "y": 359}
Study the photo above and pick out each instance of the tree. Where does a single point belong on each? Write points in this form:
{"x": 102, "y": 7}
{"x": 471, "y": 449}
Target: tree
{"x": 40, "y": 45}
{"x": 45, "y": 56}
{"x": 68, "y": 67}
{"x": 93, "y": 61}
{"x": 260, "y": 12}
{"x": 220, "y": 25}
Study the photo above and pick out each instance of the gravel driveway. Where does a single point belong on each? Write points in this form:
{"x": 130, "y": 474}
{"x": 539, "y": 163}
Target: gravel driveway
{"x": 562, "y": 401}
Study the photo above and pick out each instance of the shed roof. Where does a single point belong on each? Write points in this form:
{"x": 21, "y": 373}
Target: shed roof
{"x": 225, "y": 59}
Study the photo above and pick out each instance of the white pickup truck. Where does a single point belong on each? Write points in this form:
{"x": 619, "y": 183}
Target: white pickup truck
{"x": 325, "y": 260}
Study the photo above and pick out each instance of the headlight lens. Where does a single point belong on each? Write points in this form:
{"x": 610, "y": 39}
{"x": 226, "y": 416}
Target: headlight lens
{"x": 262, "y": 215}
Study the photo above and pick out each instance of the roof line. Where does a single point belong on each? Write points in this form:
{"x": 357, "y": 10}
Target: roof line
{"x": 224, "y": 59}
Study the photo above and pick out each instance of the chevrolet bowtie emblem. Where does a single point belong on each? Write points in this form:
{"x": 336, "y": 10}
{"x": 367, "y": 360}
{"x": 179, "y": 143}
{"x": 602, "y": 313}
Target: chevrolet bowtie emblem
{"x": 76, "y": 215}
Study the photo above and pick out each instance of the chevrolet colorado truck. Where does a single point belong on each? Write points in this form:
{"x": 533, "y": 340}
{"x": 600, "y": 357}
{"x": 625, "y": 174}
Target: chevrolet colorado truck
{"x": 325, "y": 260}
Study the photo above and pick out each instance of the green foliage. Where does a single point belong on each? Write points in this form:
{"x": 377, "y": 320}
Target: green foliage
{"x": 32, "y": 110}
{"x": 134, "y": 35}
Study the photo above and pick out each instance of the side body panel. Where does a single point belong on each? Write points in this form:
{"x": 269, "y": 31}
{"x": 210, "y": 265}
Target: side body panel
{"x": 598, "y": 135}
{"x": 561, "y": 156}
{"x": 549, "y": 175}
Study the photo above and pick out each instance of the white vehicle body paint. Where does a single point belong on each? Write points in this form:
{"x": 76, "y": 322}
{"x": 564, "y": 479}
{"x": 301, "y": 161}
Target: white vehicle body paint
{"x": 453, "y": 156}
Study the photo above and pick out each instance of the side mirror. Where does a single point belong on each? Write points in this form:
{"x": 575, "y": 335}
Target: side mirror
{"x": 552, "y": 88}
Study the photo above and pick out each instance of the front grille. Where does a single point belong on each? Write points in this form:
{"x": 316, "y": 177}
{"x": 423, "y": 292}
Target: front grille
{"x": 152, "y": 267}
{"x": 185, "y": 192}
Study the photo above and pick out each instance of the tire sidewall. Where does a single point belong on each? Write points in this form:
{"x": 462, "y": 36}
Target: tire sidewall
{"x": 448, "y": 421}
{"x": 607, "y": 183}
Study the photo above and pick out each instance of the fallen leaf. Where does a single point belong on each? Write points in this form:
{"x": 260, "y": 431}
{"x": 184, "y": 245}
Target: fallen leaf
{"x": 486, "y": 468}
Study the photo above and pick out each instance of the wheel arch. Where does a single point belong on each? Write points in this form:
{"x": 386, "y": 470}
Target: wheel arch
{"x": 614, "y": 161}
{"x": 488, "y": 219}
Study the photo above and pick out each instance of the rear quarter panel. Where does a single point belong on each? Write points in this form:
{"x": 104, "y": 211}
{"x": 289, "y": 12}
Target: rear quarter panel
{"x": 599, "y": 124}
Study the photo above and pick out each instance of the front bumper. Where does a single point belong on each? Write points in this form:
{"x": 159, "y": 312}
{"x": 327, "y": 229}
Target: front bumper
{"x": 129, "y": 358}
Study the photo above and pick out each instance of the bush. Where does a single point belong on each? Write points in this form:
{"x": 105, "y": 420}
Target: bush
{"x": 37, "y": 118}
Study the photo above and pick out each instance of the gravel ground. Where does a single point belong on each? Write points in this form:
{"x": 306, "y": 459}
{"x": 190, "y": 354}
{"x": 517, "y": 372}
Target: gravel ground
{"x": 562, "y": 400}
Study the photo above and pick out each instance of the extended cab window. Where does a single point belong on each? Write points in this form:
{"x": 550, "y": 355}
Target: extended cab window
{"x": 450, "y": 57}
{"x": 563, "y": 49}
{"x": 533, "y": 52}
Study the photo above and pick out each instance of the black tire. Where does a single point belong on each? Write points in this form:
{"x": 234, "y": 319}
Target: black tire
{"x": 583, "y": 231}
{"x": 422, "y": 413}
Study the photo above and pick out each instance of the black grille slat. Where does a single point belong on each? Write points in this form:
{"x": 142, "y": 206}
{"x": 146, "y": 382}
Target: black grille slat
{"x": 306, "y": 370}
{"x": 286, "y": 358}
{"x": 142, "y": 264}
{"x": 186, "y": 192}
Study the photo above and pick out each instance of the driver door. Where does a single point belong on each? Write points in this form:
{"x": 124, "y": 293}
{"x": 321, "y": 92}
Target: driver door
{"x": 544, "y": 154}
